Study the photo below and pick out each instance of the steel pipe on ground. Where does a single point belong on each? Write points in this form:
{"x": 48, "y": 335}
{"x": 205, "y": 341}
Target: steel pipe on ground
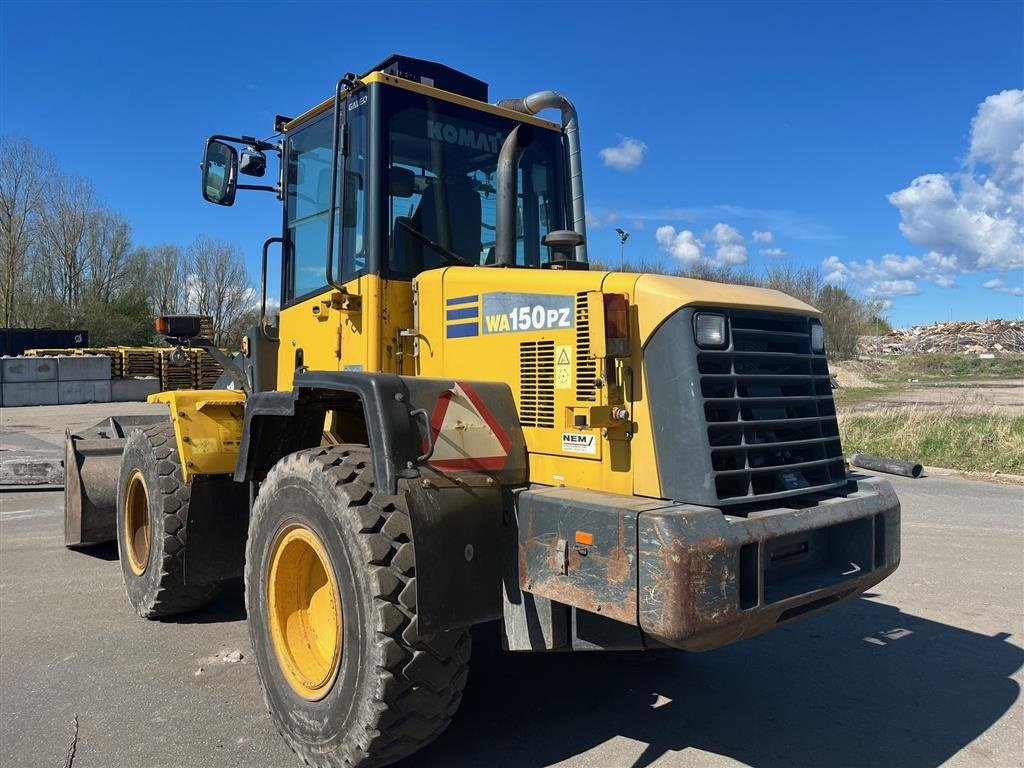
{"x": 882, "y": 464}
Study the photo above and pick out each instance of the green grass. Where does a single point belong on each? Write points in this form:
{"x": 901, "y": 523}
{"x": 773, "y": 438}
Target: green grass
{"x": 938, "y": 437}
{"x": 933, "y": 365}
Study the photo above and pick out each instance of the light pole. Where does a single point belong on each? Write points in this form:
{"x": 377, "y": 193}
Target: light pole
{"x": 623, "y": 237}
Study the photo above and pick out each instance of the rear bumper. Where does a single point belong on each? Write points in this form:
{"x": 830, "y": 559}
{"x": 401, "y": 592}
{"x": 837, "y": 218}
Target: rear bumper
{"x": 692, "y": 577}
{"x": 707, "y": 579}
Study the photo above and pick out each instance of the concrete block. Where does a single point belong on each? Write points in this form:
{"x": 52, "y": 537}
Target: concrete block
{"x": 24, "y": 393}
{"x": 83, "y": 368}
{"x": 28, "y": 369}
{"x": 31, "y": 471}
{"x": 71, "y": 392}
{"x": 133, "y": 390}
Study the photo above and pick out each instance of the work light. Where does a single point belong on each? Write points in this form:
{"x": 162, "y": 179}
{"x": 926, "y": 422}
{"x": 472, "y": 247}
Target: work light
{"x": 817, "y": 338}
{"x": 709, "y": 330}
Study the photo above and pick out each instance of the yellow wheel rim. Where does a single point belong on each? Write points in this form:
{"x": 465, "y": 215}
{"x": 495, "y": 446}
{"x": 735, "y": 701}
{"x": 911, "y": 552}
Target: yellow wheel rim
{"x": 136, "y": 523}
{"x": 305, "y": 612}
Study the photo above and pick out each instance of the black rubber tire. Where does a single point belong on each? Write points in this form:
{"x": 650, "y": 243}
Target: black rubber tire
{"x": 160, "y": 590}
{"x": 395, "y": 691}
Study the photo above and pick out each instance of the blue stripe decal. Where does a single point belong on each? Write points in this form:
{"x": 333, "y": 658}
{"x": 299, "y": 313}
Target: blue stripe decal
{"x": 462, "y": 330}
{"x": 463, "y": 300}
{"x": 463, "y": 314}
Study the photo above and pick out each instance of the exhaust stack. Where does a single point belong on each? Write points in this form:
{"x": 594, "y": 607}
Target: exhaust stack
{"x": 531, "y": 105}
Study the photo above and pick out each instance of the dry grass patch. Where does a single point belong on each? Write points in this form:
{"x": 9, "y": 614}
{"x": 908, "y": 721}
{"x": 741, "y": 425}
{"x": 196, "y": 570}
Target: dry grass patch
{"x": 950, "y": 437}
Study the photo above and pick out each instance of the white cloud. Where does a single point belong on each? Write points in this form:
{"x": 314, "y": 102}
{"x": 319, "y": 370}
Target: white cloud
{"x": 775, "y": 252}
{"x": 684, "y": 246}
{"x": 997, "y": 135}
{"x": 886, "y": 289}
{"x": 762, "y": 237}
{"x": 969, "y": 220}
{"x": 892, "y": 269}
{"x": 599, "y": 219}
{"x": 977, "y": 214}
{"x": 626, "y": 155}
{"x": 996, "y": 284}
{"x": 835, "y": 270}
{"x": 729, "y": 242}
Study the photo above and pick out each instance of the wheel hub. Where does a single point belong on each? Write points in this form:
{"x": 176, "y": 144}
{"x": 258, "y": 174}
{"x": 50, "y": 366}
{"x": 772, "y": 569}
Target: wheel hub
{"x": 304, "y": 606}
{"x": 137, "y": 523}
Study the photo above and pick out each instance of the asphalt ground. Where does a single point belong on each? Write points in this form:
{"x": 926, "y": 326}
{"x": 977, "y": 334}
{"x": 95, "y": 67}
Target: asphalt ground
{"x": 925, "y": 670}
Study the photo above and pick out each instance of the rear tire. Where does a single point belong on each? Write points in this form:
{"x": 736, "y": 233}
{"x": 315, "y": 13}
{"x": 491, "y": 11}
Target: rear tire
{"x": 375, "y": 691}
{"x": 152, "y": 512}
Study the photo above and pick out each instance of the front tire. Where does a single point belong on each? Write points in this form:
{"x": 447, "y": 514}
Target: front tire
{"x": 330, "y": 587}
{"x": 152, "y": 513}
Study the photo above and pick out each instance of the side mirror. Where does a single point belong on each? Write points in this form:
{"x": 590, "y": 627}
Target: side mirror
{"x": 220, "y": 172}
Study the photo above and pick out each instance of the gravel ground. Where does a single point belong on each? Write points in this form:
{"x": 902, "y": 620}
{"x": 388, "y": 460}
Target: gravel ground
{"x": 926, "y": 670}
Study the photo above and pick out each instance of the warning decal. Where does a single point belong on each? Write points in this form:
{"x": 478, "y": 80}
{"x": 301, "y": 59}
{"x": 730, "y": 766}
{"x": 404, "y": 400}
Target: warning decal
{"x": 579, "y": 442}
{"x": 563, "y": 367}
{"x": 467, "y": 437}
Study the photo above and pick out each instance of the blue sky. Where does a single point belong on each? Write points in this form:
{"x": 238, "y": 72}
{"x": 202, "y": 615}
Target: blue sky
{"x": 877, "y": 140}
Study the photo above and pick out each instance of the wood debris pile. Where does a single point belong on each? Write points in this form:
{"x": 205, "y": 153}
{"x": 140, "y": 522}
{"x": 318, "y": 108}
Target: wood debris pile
{"x": 955, "y": 338}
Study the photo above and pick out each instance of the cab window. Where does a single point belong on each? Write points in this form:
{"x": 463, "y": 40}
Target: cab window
{"x": 307, "y": 203}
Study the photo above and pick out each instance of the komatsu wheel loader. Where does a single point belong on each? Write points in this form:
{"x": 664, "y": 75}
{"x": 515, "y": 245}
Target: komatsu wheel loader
{"x": 455, "y": 420}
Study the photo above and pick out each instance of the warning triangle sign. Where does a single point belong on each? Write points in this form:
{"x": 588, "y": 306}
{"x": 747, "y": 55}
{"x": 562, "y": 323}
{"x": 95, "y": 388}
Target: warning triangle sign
{"x": 467, "y": 437}
{"x": 563, "y": 359}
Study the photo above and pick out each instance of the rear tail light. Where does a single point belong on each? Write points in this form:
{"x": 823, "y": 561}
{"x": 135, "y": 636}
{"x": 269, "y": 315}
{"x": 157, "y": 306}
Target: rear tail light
{"x": 616, "y": 324}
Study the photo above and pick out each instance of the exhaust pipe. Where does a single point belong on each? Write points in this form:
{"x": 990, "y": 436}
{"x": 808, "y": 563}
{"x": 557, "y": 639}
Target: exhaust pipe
{"x": 512, "y": 150}
{"x": 531, "y": 105}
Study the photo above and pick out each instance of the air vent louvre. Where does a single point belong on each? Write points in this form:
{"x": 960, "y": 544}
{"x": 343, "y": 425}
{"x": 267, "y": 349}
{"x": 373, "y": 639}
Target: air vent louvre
{"x": 586, "y": 366}
{"x": 537, "y": 384}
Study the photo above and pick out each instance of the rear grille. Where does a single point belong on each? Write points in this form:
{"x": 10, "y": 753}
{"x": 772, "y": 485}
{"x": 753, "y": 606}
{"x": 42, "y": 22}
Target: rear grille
{"x": 537, "y": 384}
{"x": 767, "y": 402}
{"x": 586, "y": 366}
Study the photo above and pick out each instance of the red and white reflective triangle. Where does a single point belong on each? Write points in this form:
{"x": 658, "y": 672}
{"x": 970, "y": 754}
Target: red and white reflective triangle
{"x": 467, "y": 437}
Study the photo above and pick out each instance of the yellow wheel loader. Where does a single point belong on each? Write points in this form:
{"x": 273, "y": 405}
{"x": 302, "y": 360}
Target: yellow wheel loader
{"x": 455, "y": 420}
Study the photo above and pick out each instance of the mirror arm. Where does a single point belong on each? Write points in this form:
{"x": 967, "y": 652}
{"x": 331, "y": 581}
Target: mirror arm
{"x": 261, "y": 187}
{"x": 249, "y": 141}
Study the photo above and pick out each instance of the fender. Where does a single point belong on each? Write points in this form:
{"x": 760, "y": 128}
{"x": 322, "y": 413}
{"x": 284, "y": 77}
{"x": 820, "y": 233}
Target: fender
{"x": 452, "y": 448}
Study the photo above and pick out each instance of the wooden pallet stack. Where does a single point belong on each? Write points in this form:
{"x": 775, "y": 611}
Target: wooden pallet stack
{"x": 206, "y": 327}
{"x": 45, "y": 352}
{"x": 207, "y": 370}
{"x": 140, "y": 361}
{"x": 181, "y": 376}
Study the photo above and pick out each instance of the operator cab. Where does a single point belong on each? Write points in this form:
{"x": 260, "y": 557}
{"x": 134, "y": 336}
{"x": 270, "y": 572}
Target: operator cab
{"x": 416, "y": 181}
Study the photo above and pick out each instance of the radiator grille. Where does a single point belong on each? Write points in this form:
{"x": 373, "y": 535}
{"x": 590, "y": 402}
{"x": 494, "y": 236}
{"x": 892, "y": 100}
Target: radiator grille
{"x": 586, "y": 366}
{"x": 537, "y": 383}
{"x": 771, "y": 419}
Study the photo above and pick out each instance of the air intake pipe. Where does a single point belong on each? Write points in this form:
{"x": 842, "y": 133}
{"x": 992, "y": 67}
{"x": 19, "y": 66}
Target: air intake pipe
{"x": 531, "y": 105}
{"x": 505, "y": 228}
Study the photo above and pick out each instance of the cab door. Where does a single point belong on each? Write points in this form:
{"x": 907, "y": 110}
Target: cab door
{"x": 323, "y": 327}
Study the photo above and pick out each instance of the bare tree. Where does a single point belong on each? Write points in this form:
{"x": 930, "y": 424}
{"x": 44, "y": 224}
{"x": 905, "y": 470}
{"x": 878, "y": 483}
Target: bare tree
{"x": 23, "y": 171}
{"x": 107, "y": 249}
{"x": 64, "y": 231}
{"x": 219, "y": 286}
{"x": 167, "y": 269}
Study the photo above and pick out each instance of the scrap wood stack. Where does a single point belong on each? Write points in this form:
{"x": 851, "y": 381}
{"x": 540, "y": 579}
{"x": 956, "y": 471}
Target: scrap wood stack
{"x": 965, "y": 337}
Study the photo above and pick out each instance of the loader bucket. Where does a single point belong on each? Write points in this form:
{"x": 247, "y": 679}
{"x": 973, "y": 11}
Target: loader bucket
{"x": 92, "y": 463}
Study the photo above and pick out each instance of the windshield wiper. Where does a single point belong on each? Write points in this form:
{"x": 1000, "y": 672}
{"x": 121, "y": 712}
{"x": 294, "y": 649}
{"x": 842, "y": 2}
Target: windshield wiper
{"x": 436, "y": 247}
